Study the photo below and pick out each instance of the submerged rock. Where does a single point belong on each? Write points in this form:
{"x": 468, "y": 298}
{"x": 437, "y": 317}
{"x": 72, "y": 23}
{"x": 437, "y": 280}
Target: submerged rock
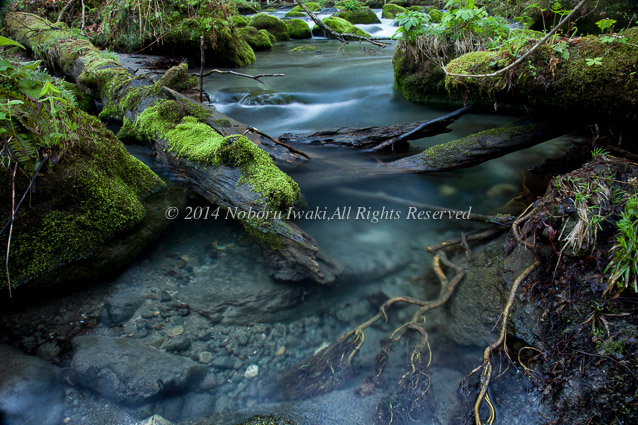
{"x": 31, "y": 390}
{"x": 130, "y": 373}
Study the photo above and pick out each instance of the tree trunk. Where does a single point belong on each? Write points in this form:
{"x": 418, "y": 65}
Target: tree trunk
{"x": 292, "y": 254}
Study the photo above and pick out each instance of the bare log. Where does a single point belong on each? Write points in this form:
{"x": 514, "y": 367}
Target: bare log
{"x": 379, "y": 138}
{"x": 222, "y": 174}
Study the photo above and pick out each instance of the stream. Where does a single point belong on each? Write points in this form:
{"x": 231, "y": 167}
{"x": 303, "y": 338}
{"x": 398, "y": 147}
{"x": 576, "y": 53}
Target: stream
{"x": 200, "y": 310}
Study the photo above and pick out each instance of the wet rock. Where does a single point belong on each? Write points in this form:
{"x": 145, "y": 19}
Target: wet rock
{"x": 175, "y": 331}
{"x": 477, "y": 304}
{"x": 223, "y": 363}
{"x": 255, "y": 300}
{"x": 129, "y": 372}
{"x": 156, "y": 420}
{"x": 205, "y": 357}
{"x": 31, "y": 390}
{"x": 197, "y": 405}
{"x": 180, "y": 343}
{"x": 121, "y": 306}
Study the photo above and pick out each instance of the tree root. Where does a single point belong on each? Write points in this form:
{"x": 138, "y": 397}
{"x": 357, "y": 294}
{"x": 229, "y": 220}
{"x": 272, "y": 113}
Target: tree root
{"x": 486, "y": 367}
{"x": 331, "y": 366}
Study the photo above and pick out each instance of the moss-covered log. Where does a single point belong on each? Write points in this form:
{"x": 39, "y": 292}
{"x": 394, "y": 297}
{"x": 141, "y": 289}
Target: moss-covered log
{"x": 590, "y": 79}
{"x": 231, "y": 171}
{"x": 479, "y": 147}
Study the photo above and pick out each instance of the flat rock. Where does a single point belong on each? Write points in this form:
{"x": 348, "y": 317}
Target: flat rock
{"x": 31, "y": 390}
{"x": 129, "y": 372}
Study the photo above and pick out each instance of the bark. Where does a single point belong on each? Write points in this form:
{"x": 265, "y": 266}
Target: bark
{"x": 392, "y": 137}
{"x": 296, "y": 255}
{"x": 479, "y": 147}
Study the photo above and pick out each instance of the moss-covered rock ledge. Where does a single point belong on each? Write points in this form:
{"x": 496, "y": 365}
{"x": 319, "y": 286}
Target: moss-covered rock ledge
{"x": 597, "y": 80}
{"x": 70, "y": 231}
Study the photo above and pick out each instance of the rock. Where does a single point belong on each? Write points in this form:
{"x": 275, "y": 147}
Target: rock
{"x": 129, "y": 372}
{"x": 390, "y": 11}
{"x": 175, "y": 331}
{"x": 341, "y": 26}
{"x": 257, "y": 39}
{"x": 281, "y": 351}
{"x": 121, "y": 306}
{"x": 197, "y": 405}
{"x": 205, "y": 357}
{"x": 49, "y": 351}
{"x": 180, "y": 343}
{"x": 251, "y": 371}
{"x": 156, "y": 420}
{"x": 298, "y": 29}
{"x": 447, "y": 190}
{"x": 363, "y": 15}
{"x": 223, "y": 363}
{"x": 501, "y": 189}
{"x": 272, "y": 24}
{"x": 31, "y": 390}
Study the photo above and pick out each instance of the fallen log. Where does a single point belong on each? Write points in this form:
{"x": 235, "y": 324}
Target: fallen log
{"x": 231, "y": 171}
{"x": 392, "y": 137}
{"x": 479, "y": 147}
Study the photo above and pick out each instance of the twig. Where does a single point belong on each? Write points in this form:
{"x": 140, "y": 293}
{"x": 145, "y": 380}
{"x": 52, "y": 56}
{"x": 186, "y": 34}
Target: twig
{"x": 526, "y": 55}
{"x": 239, "y": 74}
{"x": 201, "y": 69}
{"x": 290, "y": 148}
{"x": 64, "y": 10}
{"x": 468, "y": 251}
{"x": 13, "y": 213}
{"x": 83, "y": 20}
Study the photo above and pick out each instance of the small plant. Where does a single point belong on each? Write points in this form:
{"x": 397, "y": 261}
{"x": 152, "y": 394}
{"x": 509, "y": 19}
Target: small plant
{"x": 352, "y": 5}
{"x": 561, "y": 50}
{"x": 598, "y": 61}
{"x": 412, "y": 24}
{"x": 623, "y": 267}
{"x": 599, "y": 152}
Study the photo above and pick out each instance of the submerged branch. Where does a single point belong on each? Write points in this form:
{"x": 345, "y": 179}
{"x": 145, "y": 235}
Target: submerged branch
{"x": 239, "y": 74}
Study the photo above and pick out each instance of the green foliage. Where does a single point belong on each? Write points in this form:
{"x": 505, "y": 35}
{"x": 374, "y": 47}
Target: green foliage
{"x": 352, "y": 5}
{"x": 412, "y": 24}
{"x": 623, "y": 267}
{"x": 597, "y": 61}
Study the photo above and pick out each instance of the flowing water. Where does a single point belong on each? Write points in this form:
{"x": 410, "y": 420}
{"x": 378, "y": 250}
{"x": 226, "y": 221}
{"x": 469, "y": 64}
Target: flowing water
{"x": 203, "y": 293}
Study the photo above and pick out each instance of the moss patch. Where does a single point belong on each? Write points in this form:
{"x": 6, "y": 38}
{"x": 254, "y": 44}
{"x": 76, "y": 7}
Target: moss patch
{"x": 298, "y": 29}
{"x": 272, "y": 24}
{"x": 257, "y": 39}
{"x": 343, "y": 27}
{"x": 363, "y": 15}
{"x": 390, "y": 11}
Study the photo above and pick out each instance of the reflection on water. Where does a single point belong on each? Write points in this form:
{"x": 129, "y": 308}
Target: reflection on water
{"x": 203, "y": 295}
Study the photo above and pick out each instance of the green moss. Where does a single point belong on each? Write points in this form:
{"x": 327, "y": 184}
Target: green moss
{"x": 178, "y": 78}
{"x": 298, "y": 29}
{"x": 267, "y": 420}
{"x": 390, "y": 11}
{"x": 363, "y": 15}
{"x": 343, "y": 27}
{"x": 304, "y": 49}
{"x": 257, "y": 39}
{"x": 312, "y": 6}
{"x": 272, "y": 24}
{"x": 239, "y": 21}
{"x": 435, "y": 14}
{"x": 190, "y": 138}
{"x": 90, "y": 197}
{"x": 295, "y": 14}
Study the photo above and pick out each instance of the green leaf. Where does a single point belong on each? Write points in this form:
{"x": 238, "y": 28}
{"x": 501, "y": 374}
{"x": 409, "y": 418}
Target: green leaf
{"x": 30, "y": 87}
{"x": 595, "y": 61}
{"x": 5, "y": 64}
{"x": 32, "y": 66}
{"x": 4, "y": 41}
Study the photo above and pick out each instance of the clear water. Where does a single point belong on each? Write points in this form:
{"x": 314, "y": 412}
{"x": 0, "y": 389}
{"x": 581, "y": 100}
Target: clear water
{"x": 242, "y": 317}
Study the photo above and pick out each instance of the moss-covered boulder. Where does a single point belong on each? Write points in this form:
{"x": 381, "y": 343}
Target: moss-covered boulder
{"x": 363, "y": 15}
{"x": 257, "y": 39}
{"x": 90, "y": 198}
{"x": 239, "y": 21}
{"x": 342, "y": 26}
{"x": 295, "y": 14}
{"x": 272, "y": 24}
{"x": 391, "y": 10}
{"x": 248, "y": 7}
{"x": 311, "y": 5}
{"x": 417, "y": 78}
{"x": 595, "y": 80}
{"x": 298, "y": 29}
{"x": 435, "y": 14}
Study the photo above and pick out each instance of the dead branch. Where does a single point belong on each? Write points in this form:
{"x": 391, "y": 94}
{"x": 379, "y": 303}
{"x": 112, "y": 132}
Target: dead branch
{"x": 290, "y": 148}
{"x": 239, "y": 74}
{"x": 64, "y": 9}
{"x": 339, "y": 36}
{"x": 526, "y": 55}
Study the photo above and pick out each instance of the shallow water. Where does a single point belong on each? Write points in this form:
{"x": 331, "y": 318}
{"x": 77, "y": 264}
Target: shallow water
{"x": 203, "y": 293}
